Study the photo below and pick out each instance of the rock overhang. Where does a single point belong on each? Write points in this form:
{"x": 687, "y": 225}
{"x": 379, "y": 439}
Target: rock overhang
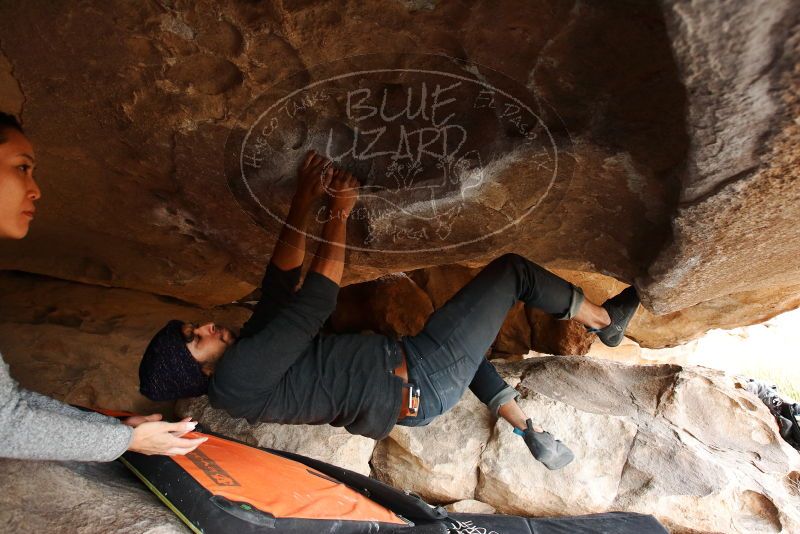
{"x": 135, "y": 193}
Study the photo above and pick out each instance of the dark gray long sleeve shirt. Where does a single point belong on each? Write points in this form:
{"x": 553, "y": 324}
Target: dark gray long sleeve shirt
{"x": 35, "y": 427}
{"x": 282, "y": 370}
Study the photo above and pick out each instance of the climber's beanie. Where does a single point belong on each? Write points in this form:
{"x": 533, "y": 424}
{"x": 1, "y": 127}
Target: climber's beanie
{"x": 168, "y": 370}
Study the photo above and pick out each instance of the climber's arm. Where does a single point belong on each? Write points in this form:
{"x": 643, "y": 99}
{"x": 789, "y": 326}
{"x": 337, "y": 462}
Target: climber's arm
{"x": 329, "y": 259}
{"x": 312, "y": 178}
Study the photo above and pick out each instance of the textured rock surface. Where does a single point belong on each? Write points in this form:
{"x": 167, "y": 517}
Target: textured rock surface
{"x": 735, "y": 229}
{"x": 135, "y": 195}
{"x": 511, "y": 481}
{"x": 658, "y": 331}
{"x": 392, "y": 305}
{"x": 729, "y": 311}
{"x": 89, "y": 498}
{"x": 470, "y": 506}
{"x": 663, "y": 456}
{"x": 438, "y": 461}
{"x": 170, "y": 80}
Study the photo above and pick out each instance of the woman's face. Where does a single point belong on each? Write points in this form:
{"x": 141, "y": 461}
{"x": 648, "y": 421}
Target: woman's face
{"x": 18, "y": 190}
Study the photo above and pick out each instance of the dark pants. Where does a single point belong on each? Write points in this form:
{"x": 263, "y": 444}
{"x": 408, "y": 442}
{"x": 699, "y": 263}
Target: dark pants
{"x": 448, "y": 354}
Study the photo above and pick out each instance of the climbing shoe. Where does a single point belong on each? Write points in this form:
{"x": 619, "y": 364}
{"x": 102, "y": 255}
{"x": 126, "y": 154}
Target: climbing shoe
{"x": 621, "y": 309}
{"x": 545, "y": 448}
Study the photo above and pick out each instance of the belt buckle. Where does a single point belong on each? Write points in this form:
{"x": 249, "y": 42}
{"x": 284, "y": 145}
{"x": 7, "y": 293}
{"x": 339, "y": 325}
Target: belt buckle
{"x": 413, "y": 400}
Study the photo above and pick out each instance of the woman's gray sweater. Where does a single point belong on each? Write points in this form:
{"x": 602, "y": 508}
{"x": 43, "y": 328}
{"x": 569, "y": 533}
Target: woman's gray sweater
{"x": 36, "y": 427}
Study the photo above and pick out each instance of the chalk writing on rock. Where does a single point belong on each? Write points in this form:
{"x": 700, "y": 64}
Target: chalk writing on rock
{"x": 447, "y": 154}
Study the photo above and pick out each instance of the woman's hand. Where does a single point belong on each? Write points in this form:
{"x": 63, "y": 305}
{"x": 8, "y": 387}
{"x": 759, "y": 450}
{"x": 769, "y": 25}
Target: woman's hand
{"x": 313, "y": 176}
{"x": 158, "y": 437}
{"x": 136, "y": 420}
{"x": 343, "y": 193}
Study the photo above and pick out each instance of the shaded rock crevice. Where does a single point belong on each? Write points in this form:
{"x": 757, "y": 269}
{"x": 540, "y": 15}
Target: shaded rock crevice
{"x": 12, "y": 97}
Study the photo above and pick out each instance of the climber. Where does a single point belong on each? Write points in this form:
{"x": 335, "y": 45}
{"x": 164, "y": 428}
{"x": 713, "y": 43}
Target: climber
{"x": 281, "y": 369}
{"x": 36, "y": 427}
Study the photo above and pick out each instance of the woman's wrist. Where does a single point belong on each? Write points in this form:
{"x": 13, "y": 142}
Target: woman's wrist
{"x": 131, "y": 436}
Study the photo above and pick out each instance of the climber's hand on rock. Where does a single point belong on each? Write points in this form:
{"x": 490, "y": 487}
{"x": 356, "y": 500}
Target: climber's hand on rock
{"x": 156, "y": 437}
{"x": 343, "y": 193}
{"x": 313, "y": 176}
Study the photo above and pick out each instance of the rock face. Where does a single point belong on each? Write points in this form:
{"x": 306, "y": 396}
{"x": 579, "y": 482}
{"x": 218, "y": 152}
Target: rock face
{"x": 135, "y": 195}
{"x": 157, "y": 128}
{"x": 734, "y": 229}
{"x": 75, "y": 497}
{"x": 439, "y": 461}
{"x": 391, "y": 306}
{"x": 687, "y": 444}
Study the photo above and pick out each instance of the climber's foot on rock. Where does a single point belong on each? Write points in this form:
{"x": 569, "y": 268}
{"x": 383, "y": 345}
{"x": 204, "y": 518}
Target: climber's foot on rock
{"x": 545, "y": 448}
{"x": 621, "y": 309}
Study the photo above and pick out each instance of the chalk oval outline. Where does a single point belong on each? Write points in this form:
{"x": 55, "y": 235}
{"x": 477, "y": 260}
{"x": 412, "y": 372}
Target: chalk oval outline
{"x": 280, "y": 101}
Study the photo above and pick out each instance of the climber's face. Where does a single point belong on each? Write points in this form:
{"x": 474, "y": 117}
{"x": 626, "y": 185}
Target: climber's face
{"x": 18, "y": 190}
{"x": 207, "y": 343}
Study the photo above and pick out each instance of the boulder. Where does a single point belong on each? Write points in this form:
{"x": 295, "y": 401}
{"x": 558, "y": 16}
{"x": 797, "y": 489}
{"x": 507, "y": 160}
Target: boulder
{"x": 391, "y": 305}
{"x": 641, "y": 437}
{"x": 553, "y": 336}
{"x": 514, "y": 483}
{"x": 729, "y": 311}
{"x": 140, "y": 179}
{"x": 439, "y": 461}
{"x": 91, "y": 498}
{"x": 675, "y": 172}
{"x": 686, "y": 444}
{"x": 734, "y": 230}
{"x": 515, "y": 335}
{"x": 470, "y": 506}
